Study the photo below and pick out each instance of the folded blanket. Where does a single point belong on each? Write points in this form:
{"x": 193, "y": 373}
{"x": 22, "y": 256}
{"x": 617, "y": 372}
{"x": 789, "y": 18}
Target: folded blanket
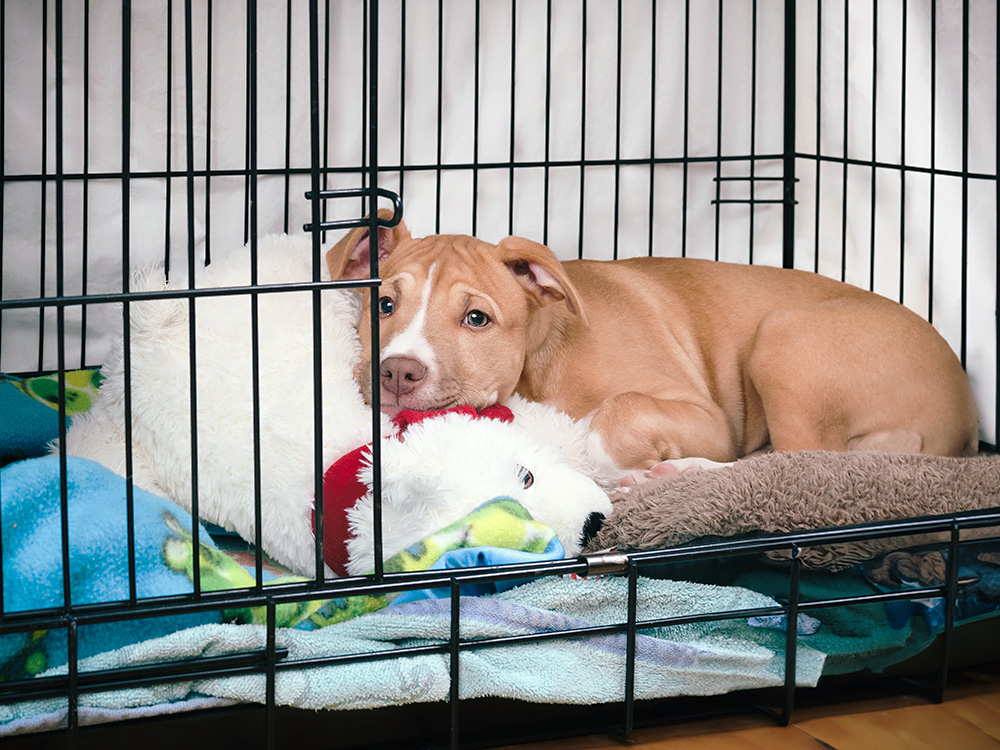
{"x": 691, "y": 659}
{"x": 777, "y": 492}
{"x": 854, "y": 637}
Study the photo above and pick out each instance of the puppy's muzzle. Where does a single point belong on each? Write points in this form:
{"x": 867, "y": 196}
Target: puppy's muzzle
{"x": 401, "y": 375}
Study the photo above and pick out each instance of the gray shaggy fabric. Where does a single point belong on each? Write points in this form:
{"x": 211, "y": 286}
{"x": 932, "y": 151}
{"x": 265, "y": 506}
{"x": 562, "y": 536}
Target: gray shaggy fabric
{"x": 776, "y": 492}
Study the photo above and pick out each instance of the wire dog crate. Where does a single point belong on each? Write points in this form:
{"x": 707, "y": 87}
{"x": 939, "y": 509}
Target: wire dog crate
{"x": 857, "y": 140}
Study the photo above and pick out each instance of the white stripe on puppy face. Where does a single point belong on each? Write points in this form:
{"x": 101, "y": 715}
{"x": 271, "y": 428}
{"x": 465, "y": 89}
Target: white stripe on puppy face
{"x": 412, "y": 341}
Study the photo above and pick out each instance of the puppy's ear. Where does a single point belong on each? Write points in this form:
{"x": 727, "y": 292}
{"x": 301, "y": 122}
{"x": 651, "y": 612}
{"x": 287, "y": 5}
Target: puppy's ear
{"x": 349, "y": 258}
{"x": 537, "y": 269}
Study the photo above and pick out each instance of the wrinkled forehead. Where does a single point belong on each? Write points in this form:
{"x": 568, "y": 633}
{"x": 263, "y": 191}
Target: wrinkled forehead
{"x": 447, "y": 261}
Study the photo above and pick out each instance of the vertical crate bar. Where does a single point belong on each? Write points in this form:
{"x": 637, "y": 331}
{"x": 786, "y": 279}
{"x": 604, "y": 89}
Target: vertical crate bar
{"x": 270, "y": 675}
{"x": 373, "y": 249}
{"x": 753, "y": 129}
{"x": 85, "y": 218}
{"x": 3, "y": 163}
{"x": 251, "y": 36}
{"x": 208, "y": 133}
{"x": 652, "y": 126}
{"x": 872, "y": 218}
{"x": 513, "y": 115}
{"x": 61, "y": 310}
{"x": 932, "y": 126}
{"x": 846, "y": 144}
{"x": 618, "y": 131}
{"x": 73, "y": 675}
{"x": 192, "y": 298}
{"x": 818, "y": 134}
{"x": 964, "y": 347}
{"x": 326, "y": 107}
{"x": 583, "y": 128}
{"x": 791, "y": 636}
{"x": 126, "y": 178}
{"x": 902, "y": 161}
{"x": 168, "y": 155}
{"x": 475, "y": 124}
{"x": 366, "y": 62}
{"x": 402, "y": 97}
{"x": 453, "y": 652}
{"x": 951, "y": 599}
{"x": 720, "y": 43}
{"x": 315, "y": 205}
{"x": 3, "y": 190}
{"x": 630, "y": 644}
{"x": 288, "y": 112}
{"x": 788, "y": 159}
{"x": 440, "y": 117}
{"x": 548, "y": 122}
{"x": 685, "y": 169}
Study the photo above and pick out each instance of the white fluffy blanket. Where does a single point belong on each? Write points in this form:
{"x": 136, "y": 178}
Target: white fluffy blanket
{"x": 160, "y": 386}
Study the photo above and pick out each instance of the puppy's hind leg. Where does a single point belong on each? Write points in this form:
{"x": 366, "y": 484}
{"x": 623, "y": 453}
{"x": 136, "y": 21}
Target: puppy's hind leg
{"x": 637, "y": 431}
{"x": 829, "y": 378}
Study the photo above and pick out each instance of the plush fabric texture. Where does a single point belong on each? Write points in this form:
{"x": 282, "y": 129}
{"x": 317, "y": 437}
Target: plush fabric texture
{"x": 778, "y": 492}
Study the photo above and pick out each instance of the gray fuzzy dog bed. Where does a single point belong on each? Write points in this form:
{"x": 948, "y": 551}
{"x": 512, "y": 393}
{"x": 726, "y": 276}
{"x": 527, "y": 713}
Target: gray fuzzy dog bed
{"x": 780, "y": 492}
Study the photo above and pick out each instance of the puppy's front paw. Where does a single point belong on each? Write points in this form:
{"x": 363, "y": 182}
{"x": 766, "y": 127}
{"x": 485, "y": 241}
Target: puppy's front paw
{"x": 672, "y": 468}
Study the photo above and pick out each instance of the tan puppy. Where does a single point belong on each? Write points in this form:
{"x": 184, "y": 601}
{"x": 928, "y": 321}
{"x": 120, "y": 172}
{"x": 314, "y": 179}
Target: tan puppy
{"x": 671, "y": 357}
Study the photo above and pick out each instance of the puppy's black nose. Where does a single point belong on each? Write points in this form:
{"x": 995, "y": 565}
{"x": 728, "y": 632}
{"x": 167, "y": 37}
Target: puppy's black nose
{"x": 591, "y": 527}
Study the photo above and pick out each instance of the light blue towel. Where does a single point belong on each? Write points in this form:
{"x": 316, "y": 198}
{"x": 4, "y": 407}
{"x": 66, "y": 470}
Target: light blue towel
{"x": 695, "y": 659}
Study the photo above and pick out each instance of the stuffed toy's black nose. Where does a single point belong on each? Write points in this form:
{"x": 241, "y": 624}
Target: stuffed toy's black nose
{"x": 591, "y": 527}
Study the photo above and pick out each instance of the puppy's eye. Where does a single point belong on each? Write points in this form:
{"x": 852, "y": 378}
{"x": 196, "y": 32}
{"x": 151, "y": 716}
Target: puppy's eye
{"x": 525, "y": 476}
{"x": 386, "y": 306}
{"x": 477, "y": 319}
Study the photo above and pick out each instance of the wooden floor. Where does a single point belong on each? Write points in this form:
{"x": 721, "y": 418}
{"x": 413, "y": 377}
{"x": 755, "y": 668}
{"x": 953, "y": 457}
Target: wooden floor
{"x": 968, "y": 719}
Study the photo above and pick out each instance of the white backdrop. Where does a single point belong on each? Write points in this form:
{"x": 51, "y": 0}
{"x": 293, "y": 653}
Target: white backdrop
{"x": 548, "y": 65}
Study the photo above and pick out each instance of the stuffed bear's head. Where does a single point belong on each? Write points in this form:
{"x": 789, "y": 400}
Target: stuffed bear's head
{"x": 448, "y": 466}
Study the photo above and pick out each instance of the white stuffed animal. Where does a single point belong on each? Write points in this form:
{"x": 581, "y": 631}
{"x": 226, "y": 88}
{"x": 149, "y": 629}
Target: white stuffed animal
{"x": 440, "y": 468}
{"x": 160, "y": 389}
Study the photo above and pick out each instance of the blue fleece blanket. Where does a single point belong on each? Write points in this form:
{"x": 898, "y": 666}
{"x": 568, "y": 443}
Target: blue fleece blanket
{"x": 32, "y": 540}
{"x": 29, "y": 410}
